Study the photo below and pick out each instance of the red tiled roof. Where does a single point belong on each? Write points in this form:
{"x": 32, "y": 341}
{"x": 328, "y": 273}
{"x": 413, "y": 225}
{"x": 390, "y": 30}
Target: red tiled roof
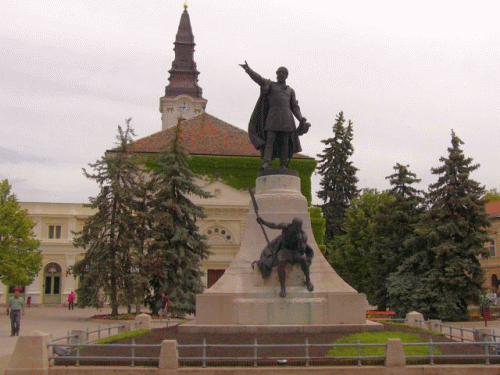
{"x": 493, "y": 208}
{"x": 203, "y": 135}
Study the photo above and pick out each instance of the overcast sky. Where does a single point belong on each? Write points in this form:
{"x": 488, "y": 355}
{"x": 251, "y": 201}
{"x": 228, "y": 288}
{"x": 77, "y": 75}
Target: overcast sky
{"x": 405, "y": 73}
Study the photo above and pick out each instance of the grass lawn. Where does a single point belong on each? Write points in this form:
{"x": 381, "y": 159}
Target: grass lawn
{"x": 378, "y": 338}
{"x": 123, "y": 335}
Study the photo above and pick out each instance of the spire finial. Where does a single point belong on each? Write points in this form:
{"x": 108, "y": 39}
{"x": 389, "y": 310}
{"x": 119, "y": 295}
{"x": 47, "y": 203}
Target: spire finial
{"x": 185, "y": 4}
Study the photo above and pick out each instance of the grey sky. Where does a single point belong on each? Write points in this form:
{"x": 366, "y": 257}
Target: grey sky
{"x": 404, "y": 73}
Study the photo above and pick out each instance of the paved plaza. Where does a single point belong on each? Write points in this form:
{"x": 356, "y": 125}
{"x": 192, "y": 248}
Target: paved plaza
{"x": 56, "y": 321}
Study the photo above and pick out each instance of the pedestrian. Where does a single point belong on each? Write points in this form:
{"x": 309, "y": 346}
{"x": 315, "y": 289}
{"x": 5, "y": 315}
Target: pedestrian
{"x": 15, "y": 309}
{"x": 164, "y": 303}
{"x": 71, "y": 300}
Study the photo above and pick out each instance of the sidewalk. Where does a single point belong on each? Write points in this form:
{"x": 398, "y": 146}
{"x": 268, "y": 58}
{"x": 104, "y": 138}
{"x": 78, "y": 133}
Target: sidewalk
{"x": 56, "y": 321}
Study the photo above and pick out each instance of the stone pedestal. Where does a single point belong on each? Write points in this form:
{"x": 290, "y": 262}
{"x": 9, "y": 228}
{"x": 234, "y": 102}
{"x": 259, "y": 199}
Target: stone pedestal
{"x": 416, "y": 319}
{"x": 242, "y": 297}
{"x": 30, "y": 356}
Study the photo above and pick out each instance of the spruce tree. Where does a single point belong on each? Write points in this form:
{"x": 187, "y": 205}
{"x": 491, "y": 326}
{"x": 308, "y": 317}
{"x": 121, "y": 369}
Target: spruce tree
{"x": 338, "y": 182}
{"x": 108, "y": 235}
{"x": 137, "y": 282}
{"x": 351, "y": 254}
{"x": 444, "y": 275}
{"x": 175, "y": 257}
{"x": 20, "y": 259}
{"x": 394, "y": 231}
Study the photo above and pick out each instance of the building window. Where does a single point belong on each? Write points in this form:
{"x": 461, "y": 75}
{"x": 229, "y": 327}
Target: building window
{"x": 54, "y": 231}
{"x": 493, "y": 252}
{"x": 219, "y": 236}
{"x": 494, "y": 283}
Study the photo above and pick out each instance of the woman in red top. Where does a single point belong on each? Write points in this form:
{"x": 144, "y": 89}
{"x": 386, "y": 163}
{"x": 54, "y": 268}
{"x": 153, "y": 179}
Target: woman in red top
{"x": 71, "y": 300}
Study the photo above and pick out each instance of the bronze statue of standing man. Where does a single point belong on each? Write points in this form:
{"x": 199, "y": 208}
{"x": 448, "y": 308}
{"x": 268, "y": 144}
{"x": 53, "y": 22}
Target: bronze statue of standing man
{"x": 272, "y": 127}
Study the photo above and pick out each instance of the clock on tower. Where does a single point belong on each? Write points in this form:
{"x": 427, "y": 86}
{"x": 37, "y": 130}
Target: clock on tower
{"x": 184, "y": 107}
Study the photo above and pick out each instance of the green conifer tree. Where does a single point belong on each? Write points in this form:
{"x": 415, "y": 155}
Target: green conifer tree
{"x": 108, "y": 235}
{"x": 20, "y": 259}
{"x": 175, "y": 257}
{"x": 351, "y": 254}
{"x": 137, "y": 282}
{"x": 444, "y": 275}
{"x": 338, "y": 181}
{"x": 394, "y": 232}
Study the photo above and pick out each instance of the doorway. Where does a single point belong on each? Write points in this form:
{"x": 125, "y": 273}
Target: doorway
{"x": 52, "y": 284}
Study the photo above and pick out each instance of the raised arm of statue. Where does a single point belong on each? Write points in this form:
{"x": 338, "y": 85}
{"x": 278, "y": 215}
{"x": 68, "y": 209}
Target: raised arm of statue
{"x": 270, "y": 224}
{"x": 254, "y": 75}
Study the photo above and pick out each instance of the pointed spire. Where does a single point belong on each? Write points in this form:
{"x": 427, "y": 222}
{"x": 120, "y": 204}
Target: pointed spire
{"x": 183, "y": 75}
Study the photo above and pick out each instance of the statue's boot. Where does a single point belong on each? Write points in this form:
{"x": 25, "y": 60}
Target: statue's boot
{"x": 305, "y": 269}
{"x": 309, "y": 285}
{"x": 284, "y": 163}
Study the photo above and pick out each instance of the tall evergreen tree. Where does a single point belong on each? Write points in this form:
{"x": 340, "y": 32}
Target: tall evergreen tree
{"x": 394, "y": 231}
{"x": 351, "y": 254}
{"x": 175, "y": 257}
{"x": 20, "y": 259}
{"x": 338, "y": 182}
{"x": 445, "y": 275}
{"x": 137, "y": 282}
{"x": 108, "y": 235}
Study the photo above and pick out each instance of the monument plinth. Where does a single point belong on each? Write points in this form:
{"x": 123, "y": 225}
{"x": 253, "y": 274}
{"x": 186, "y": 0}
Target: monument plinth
{"x": 241, "y": 297}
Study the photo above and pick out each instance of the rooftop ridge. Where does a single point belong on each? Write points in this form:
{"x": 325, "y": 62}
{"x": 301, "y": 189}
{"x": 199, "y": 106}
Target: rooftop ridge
{"x": 204, "y": 134}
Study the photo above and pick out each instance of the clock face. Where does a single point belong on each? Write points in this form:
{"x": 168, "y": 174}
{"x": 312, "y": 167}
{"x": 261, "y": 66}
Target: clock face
{"x": 183, "y": 107}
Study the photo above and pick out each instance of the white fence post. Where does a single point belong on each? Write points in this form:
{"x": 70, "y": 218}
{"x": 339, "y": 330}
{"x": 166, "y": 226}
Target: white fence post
{"x": 144, "y": 320}
{"x": 395, "y": 355}
{"x": 169, "y": 355}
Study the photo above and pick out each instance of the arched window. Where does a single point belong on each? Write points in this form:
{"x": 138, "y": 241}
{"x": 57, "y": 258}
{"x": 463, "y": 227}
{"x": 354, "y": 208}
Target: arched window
{"x": 218, "y": 235}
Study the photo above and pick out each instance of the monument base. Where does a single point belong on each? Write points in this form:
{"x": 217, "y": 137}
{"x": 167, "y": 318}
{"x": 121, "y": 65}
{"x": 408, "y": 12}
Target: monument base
{"x": 269, "y": 309}
{"x": 241, "y": 297}
{"x": 193, "y": 327}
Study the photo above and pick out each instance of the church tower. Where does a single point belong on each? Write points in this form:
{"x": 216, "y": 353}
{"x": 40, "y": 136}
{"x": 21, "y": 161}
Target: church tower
{"x": 183, "y": 96}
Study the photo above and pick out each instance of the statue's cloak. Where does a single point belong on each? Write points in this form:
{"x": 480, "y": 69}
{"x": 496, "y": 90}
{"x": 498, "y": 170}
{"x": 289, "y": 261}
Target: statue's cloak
{"x": 256, "y": 127}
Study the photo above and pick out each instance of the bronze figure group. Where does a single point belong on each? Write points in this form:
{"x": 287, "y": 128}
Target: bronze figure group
{"x": 272, "y": 130}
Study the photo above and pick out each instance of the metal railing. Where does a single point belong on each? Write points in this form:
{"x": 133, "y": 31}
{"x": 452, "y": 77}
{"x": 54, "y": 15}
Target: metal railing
{"x": 75, "y": 356}
{"x": 74, "y": 349}
{"x": 453, "y": 332}
{"x": 98, "y": 333}
{"x": 459, "y": 333}
{"x": 257, "y": 354}
{"x": 486, "y": 352}
{"x": 61, "y": 346}
{"x": 163, "y": 322}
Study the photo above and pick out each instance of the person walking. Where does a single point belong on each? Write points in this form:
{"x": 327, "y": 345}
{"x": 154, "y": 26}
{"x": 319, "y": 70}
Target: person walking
{"x": 164, "y": 303}
{"x": 15, "y": 309}
{"x": 71, "y": 300}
